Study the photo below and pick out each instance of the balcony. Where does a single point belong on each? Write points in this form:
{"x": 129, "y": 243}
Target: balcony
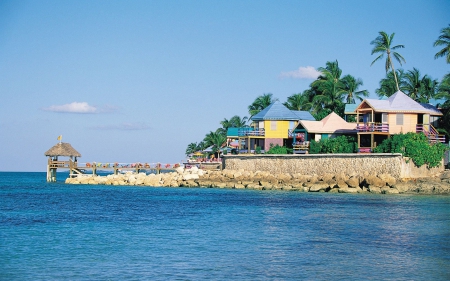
{"x": 373, "y": 127}
{"x": 246, "y": 132}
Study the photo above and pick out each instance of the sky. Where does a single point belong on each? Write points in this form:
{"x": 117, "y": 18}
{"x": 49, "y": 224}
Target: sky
{"x": 137, "y": 81}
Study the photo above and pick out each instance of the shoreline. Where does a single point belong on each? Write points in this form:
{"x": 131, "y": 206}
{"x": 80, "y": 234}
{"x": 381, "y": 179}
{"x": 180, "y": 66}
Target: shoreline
{"x": 240, "y": 179}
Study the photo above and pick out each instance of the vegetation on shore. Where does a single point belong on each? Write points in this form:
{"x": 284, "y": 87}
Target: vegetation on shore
{"x": 331, "y": 90}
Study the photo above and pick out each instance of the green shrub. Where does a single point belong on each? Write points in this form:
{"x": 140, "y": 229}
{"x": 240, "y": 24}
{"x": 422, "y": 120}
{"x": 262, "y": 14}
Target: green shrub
{"x": 279, "y": 150}
{"x": 341, "y": 144}
{"x": 415, "y": 146}
{"x": 258, "y": 150}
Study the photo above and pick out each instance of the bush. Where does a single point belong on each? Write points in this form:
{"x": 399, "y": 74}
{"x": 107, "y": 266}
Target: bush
{"x": 279, "y": 150}
{"x": 415, "y": 146}
{"x": 258, "y": 150}
{"x": 341, "y": 144}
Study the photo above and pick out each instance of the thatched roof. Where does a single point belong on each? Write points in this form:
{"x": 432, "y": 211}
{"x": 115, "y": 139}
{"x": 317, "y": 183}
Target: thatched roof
{"x": 62, "y": 149}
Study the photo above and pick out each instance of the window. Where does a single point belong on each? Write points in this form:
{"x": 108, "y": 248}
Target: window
{"x": 384, "y": 118}
{"x": 273, "y": 125}
{"x": 261, "y": 124}
{"x": 399, "y": 118}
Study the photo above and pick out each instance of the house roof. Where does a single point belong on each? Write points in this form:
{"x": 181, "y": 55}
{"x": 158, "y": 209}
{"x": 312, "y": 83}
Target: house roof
{"x": 277, "y": 111}
{"x": 401, "y": 103}
{"x": 62, "y": 149}
{"x": 332, "y": 123}
{"x": 232, "y": 132}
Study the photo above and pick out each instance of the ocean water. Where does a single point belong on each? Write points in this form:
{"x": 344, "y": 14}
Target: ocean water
{"x": 53, "y": 231}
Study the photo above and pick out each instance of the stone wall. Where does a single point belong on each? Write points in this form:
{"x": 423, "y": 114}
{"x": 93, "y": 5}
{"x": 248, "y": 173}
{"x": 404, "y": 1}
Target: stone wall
{"x": 321, "y": 164}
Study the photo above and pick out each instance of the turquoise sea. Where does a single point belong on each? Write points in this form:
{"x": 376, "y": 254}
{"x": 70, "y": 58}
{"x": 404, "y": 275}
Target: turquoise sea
{"x": 53, "y": 231}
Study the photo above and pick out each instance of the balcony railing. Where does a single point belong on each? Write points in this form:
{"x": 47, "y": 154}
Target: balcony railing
{"x": 373, "y": 127}
{"x": 244, "y": 132}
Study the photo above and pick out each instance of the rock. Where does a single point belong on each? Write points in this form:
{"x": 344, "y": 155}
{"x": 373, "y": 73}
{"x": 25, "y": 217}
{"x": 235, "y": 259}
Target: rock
{"x": 348, "y": 190}
{"x": 445, "y": 175}
{"x": 353, "y": 182}
{"x": 190, "y": 177}
{"x": 239, "y": 186}
{"x": 374, "y": 189}
{"x": 388, "y": 179}
{"x": 403, "y": 187}
{"x": 387, "y": 190}
{"x": 375, "y": 181}
{"x": 315, "y": 187}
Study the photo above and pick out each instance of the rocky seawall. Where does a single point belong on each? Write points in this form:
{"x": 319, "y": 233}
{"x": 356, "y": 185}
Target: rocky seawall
{"x": 262, "y": 180}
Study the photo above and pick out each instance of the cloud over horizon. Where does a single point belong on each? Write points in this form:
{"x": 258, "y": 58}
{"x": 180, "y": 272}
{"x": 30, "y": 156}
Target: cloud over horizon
{"x": 79, "y": 107}
{"x": 302, "y": 72}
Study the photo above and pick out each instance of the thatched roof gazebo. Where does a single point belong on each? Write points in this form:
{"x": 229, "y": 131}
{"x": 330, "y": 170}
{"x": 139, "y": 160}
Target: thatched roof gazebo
{"x": 65, "y": 150}
{"x": 62, "y": 149}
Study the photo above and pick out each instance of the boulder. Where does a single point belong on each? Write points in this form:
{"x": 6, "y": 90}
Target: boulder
{"x": 374, "y": 189}
{"x": 315, "y": 187}
{"x": 353, "y": 182}
{"x": 349, "y": 190}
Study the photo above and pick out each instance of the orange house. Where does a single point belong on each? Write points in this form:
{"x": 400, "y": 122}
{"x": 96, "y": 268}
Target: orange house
{"x": 398, "y": 114}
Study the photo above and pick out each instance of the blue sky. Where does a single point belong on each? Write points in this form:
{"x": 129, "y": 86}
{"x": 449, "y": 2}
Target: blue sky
{"x": 137, "y": 81}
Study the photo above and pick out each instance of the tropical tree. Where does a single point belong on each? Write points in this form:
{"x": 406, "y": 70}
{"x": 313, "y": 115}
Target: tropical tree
{"x": 444, "y": 89}
{"x": 191, "y": 148}
{"x": 329, "y": 88}
{"x": 260, "y": 103}
{"x": 413, "y": 83}
{"x": 388, "y": 85}
{"x": 201, "y": 146}
{"x": 428, "y": 89}
{"x": 217, "y": 141}
{"x": 443, "y": 40}
{"x": 209, "y": 138}
{"x": 351, "y": 85}
{"x": 300, "y": 101}
{"x": 238, "y": 122}
{"x": 382, "y": 45}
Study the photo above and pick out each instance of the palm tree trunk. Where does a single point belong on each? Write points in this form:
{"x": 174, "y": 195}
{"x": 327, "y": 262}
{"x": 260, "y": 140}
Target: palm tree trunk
{"x": 393, "y": 70}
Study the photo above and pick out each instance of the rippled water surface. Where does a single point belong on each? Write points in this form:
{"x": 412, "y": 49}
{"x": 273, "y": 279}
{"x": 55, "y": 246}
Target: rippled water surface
{"x": 81, "y": 232}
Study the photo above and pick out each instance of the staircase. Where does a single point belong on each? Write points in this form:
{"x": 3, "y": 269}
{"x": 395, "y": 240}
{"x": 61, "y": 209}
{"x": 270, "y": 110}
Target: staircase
{"x": 432, "y": 134}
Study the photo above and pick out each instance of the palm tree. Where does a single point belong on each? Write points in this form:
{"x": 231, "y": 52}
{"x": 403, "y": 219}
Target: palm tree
{"x": 329, "y": 87}
{"x": 388, "y": 85}
{"x": 382, "y": 44}
{"x": 413, "y": 83}
{"x": 217, "y": 141}
{"x": 351, "y": 85}
{"x": 444, "y": 89}
{"x": 428, "y": 89}
{"x": 443, "y": 40}
{"x": 238, "y": 122}
{"x": 260, "y": 103}
{"x": 300, "y": 101}
{"x": 191, "y": 148}
{"x": 201, "y": 146}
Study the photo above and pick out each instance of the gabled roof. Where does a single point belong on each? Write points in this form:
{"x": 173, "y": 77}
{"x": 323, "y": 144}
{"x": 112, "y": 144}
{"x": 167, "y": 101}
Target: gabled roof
{"x": 332, "y": 123}
{"x": 400, "y": 103}
{"x": 62, "y": 149}
{"x": 277, "y": 111}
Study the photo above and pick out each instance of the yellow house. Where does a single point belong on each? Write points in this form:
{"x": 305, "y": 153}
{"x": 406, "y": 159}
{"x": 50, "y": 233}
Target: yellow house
{"x": 273, "y": 125}
{"x": 398, "y": 114}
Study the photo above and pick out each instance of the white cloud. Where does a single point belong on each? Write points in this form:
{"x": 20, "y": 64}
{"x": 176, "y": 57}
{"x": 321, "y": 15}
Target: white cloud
{"x": 74, "y": 107}
{"x": 123, "y": 127}
{"x": 307, "y": 72}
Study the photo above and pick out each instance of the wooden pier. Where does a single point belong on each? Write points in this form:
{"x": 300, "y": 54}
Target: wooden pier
{"x": 76, "y": 168}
